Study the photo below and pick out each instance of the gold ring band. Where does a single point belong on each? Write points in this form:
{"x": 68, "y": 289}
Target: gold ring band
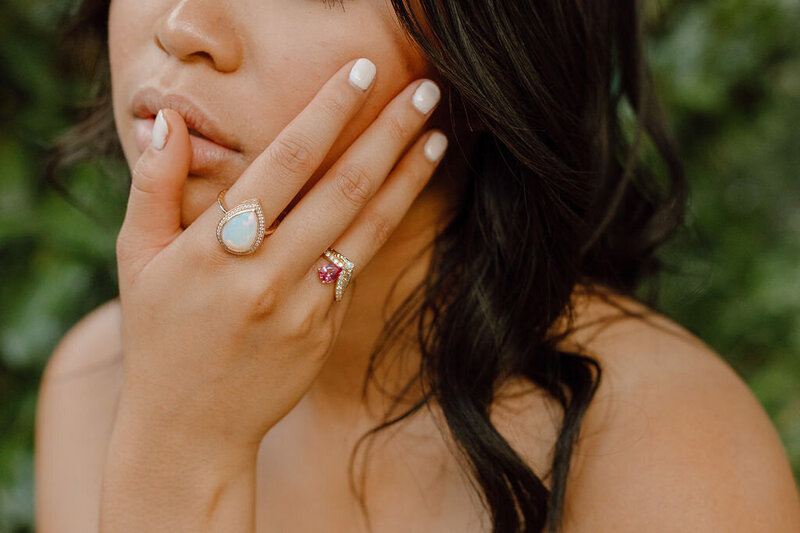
{"x": 341, "y": 272}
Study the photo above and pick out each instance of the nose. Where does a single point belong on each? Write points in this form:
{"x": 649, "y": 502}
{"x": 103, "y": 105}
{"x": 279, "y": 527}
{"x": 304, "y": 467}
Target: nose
{"x": 200, "y": 30}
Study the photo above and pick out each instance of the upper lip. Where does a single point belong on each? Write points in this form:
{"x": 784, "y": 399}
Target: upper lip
{"x": 148, "y": 101}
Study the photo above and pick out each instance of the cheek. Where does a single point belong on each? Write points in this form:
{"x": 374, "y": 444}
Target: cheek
{"x": 302, "y": 65}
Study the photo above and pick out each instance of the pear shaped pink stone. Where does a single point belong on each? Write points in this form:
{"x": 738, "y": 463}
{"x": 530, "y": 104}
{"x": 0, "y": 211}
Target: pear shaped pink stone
{"x": 329, "y": 273}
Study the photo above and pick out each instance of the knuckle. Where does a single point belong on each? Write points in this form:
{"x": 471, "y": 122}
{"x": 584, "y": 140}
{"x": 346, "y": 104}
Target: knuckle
{"x": 215, "y": 262}
{"x": 337, "y": 106}
{"x": 305, "y": 326}
{"x": 378, "y": 226}
{"x": 353, "y": 183}
{"x": 144, "y": 179}
{"x": 319, "y": 338}
{"x": 121, "y": 243}
{"x": 266, "y": 301}
{"x": 418, "y": 178}
{"x": 309, "y": 326}
{"x": 398, "y": 128}
{"x": 122, "y": 247}
{"x": 128, "y": 243}
{"x": 293, "y": 154}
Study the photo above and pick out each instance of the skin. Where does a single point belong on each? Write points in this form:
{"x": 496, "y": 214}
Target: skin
{"x": 242, "y": 371}
{"x": 276, "y": 71}
{"x": 274, "y": 335}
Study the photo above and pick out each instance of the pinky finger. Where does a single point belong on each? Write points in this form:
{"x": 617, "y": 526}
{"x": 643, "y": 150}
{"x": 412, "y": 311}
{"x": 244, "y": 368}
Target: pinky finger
{"x": 383, "y": 213}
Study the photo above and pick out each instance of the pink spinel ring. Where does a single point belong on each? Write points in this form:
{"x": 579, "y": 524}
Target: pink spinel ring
{"x": 339, "y": 270}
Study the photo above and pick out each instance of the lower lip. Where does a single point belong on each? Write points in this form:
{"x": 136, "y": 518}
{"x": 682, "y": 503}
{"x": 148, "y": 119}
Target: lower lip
{"x": 206, "y": 155}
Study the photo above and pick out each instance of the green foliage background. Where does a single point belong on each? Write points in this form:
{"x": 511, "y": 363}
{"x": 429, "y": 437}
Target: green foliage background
{"x": 729, "y": 75}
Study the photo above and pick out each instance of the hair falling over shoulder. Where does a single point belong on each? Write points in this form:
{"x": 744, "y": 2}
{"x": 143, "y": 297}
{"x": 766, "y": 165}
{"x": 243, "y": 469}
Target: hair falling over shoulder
{"x": 555, "y": 198}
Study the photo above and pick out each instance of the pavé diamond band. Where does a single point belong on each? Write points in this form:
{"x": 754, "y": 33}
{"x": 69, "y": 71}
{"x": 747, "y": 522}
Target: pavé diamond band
{"x": 241, "y": 230}
{"x": 340, "y": 270}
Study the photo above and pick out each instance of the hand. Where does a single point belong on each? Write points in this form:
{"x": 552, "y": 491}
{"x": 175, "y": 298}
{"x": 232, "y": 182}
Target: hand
{"x": 219, "y": 346}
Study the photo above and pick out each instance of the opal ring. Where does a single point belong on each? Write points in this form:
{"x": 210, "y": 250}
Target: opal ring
{"x": 340, "y": 269}
{"x": 241, "y": 230}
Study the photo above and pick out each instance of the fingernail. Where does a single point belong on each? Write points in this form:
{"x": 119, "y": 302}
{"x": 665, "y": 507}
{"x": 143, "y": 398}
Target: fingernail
{"x": 426, "y": 96}
{"x": 435, "y": 146}
{"x": 362, "y": 73}
{"x": 160, "y": 131}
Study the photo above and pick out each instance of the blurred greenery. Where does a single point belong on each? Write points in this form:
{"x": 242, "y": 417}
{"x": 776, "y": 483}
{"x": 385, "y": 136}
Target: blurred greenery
{"x": 729, "y": 76}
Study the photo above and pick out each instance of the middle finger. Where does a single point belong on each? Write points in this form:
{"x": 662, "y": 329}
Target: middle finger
{"x": 279, "y": 171}
{"x": 326, "y": 211}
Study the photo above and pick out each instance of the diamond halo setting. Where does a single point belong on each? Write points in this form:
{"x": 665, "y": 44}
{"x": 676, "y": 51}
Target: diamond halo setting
{"x": 343, "y": 276}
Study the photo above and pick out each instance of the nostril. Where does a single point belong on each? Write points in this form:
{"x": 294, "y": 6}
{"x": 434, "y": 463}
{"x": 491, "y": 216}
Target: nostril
{"x": 159, "y": 43}
{"x": 203, "y": 55}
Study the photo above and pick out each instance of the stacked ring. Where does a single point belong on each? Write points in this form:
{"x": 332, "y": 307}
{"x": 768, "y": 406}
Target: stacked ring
{"x": 340, "y": 270}
{"x": 241, "y": 231}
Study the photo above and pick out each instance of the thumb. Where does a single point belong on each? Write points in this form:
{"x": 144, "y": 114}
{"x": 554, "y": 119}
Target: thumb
{"x": 153, "y": 214}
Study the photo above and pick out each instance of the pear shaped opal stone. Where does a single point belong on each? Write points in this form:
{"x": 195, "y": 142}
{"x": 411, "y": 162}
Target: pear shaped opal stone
{"x": 241, "y": 231}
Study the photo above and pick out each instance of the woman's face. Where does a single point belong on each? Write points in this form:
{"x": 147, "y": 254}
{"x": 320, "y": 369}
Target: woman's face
{"x": 240, "y": 70}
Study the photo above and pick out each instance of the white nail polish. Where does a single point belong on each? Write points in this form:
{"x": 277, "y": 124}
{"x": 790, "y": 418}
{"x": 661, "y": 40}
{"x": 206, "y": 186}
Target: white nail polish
{"x": 426, "y": 96}
{"x": 160, "y": 131}
{"x": 435, "y": 146}
{"x": 362, "y": 73}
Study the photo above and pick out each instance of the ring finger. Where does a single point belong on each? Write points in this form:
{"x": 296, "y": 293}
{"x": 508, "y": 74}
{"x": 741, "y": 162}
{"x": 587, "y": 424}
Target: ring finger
{"x": 377, "y": 221}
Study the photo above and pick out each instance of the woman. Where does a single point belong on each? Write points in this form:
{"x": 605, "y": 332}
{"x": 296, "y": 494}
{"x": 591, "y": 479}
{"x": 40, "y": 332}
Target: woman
{"x": 294, "y": 227}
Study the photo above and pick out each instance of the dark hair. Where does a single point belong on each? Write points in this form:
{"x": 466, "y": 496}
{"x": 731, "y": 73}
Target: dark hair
{"x": 555, "y": 199}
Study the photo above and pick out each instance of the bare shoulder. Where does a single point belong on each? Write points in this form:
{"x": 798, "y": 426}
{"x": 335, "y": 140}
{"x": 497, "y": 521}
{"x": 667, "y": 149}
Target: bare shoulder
{"x": 673, "y": 440}
{"x": 93, "y": 341}
{"x": 74, "y": 417}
